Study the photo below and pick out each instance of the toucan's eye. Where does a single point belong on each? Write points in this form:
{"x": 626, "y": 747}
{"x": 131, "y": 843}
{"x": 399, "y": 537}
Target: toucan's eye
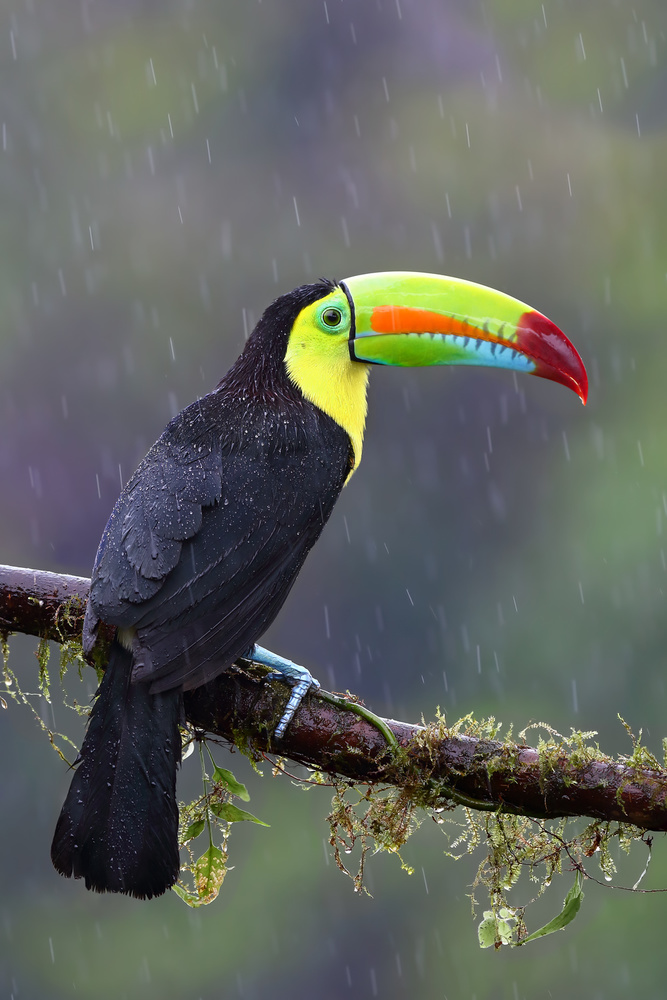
{"x": 332, "y": 317}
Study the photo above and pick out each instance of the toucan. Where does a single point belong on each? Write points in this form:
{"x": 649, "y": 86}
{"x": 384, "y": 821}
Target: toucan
{"x": 208, "y": 535}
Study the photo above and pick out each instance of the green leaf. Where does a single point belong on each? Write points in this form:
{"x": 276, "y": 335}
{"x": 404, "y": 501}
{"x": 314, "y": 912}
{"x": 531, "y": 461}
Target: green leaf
{"x": 230, "y": 813}
{"x": 191, "y": 898}
{"x": 194, "y": 830}
{"x": 221, "y": 776}
{"x": 567, "y": 914}
{"x": 496, "y": 928}
{"x": 209, "y": 871}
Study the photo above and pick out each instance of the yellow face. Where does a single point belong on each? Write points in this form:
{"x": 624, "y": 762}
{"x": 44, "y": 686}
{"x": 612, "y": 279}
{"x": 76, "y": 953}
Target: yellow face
{"x": 318, "y": 362}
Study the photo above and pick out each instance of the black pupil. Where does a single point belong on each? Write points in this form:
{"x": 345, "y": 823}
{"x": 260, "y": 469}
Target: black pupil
{"x": 331, "y": 317}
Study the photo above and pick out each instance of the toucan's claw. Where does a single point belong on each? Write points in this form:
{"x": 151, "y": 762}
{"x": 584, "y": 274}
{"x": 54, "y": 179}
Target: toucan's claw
{"x": 299, "y": 678}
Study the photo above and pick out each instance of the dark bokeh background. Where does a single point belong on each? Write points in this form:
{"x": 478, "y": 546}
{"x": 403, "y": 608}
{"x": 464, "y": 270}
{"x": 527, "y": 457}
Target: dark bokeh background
{"x": 166, "y": 169}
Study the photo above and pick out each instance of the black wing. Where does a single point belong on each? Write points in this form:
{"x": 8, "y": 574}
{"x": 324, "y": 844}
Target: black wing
{"x": 159, "y": 508}
{"x": 207, "y": 538}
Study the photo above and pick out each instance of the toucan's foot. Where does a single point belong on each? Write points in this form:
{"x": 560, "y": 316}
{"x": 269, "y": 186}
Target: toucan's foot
{"x": 299, "y": 678}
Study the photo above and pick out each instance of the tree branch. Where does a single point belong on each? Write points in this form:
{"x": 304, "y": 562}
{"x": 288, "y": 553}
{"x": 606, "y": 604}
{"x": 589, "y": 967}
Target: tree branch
{"x": 435, "y": 763}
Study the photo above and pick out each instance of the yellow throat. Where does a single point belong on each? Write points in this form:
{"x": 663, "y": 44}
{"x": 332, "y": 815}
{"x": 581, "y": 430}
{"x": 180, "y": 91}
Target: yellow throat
{"x": 318, "y": 362}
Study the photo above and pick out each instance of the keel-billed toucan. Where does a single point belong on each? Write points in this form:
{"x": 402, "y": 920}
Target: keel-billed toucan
{"x": 207, "y": 537}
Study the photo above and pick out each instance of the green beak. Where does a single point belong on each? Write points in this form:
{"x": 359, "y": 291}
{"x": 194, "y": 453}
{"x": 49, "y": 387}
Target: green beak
{"x": 407, "y": 318}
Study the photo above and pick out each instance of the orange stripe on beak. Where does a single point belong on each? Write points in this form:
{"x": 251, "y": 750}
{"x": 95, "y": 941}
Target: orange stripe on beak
{"x": 407, "y": 319}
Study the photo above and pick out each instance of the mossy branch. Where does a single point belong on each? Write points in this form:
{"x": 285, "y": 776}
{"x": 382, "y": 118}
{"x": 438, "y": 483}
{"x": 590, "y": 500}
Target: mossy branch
{"x": 436, "y": 764}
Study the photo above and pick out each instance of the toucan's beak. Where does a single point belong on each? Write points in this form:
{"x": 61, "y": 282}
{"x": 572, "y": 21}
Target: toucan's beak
{"x": 406, "y": 318}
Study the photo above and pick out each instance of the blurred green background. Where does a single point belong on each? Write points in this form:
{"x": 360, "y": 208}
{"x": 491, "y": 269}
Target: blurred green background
{"x": 166, "y": 170}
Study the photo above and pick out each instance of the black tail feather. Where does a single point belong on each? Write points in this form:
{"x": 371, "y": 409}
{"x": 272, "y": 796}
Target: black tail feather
{"x": 118, "y": 828}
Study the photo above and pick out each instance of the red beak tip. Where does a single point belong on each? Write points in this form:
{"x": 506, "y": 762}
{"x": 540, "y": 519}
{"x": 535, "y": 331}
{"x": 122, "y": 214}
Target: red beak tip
{"x": 556, "y": 358}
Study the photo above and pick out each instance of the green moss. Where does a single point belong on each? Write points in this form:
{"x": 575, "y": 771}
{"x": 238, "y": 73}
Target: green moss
{"x": 373, "y": 817}
{"x": 32, "y": 699}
